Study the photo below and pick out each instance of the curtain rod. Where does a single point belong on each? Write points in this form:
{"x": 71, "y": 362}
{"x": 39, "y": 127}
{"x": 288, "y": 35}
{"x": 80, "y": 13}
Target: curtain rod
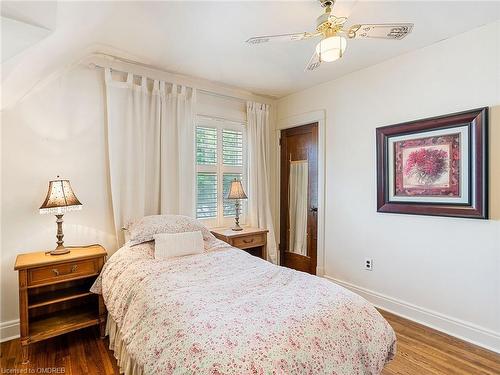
{"x": 205, "y": 91}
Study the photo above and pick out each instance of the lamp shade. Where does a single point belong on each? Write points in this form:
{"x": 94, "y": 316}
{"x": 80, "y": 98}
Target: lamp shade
{"x": 236, "y": 190}
{"x": 60, "y": 198}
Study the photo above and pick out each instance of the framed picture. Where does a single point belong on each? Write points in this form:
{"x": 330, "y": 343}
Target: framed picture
{"x": 436, "y": 166}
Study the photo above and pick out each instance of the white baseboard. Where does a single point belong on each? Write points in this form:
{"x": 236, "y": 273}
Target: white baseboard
{"x": 9, "y": 330}
{"x": 463, "y": 330}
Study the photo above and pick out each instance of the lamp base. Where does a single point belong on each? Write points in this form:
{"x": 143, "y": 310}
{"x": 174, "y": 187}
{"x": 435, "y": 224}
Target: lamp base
{"x": 237, "y": 216}
{"x": 60, "y": 251}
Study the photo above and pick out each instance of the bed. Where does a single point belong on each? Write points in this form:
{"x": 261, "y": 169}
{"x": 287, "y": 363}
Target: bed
{"x": 227, "y": 312}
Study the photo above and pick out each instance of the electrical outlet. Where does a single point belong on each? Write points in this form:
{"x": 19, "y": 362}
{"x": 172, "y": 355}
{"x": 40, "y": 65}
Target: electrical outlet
{"x": 369, "y": 264}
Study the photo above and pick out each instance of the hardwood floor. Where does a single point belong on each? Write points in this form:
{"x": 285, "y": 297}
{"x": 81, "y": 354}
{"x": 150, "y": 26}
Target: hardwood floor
{"x": 421, "y": 351}
{"x": 76, "y": 353}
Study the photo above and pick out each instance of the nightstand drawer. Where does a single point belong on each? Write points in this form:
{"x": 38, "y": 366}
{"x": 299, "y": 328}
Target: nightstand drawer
{"x": 62, "y": 271}
{"x": 252, "y": 240}
{"x": 249, "y": 241}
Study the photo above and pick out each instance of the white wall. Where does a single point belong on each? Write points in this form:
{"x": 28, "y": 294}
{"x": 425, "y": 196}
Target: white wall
{"x": 444, "y": 272}
{"x": 60, "y": 129}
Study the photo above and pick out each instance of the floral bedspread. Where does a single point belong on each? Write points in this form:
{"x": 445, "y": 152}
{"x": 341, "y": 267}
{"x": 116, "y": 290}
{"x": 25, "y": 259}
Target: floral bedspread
{"x": 227, "y": 312}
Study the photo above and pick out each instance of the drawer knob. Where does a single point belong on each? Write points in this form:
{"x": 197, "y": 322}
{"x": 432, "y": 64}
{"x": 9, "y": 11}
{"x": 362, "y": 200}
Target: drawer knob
{"x": 248, "y": 241}
{"x": 74, "y": 268}
{"x": 56, "y": 271}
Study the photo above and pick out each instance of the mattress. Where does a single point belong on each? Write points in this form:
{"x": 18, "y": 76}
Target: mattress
{"x": 227, "y": 312}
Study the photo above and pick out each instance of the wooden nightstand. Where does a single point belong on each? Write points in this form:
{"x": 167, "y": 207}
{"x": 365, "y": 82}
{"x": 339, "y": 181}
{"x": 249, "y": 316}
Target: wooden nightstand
{"x": 54, "y": 296}
{"x": 252, "y": 240}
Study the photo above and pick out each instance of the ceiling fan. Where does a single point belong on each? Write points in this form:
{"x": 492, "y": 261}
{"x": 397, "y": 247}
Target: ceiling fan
{"x": 333, "y": 35}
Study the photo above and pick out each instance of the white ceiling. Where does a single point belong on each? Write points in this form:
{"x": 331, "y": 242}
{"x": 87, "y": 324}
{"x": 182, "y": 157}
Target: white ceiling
{"x": 17, "y": 36}
{"x": 206, "y": 39}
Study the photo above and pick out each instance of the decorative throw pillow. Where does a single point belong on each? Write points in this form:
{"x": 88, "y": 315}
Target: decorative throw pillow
{"x": 145, "y": 229}
{"x": 178, "y": 244}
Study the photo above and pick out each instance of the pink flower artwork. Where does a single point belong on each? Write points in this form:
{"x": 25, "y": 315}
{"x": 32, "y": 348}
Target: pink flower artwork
{"x": 428, "y": 166}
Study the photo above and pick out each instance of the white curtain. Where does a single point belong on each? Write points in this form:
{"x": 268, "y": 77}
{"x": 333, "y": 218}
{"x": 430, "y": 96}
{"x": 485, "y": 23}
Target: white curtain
{"x": 259, "y": 205}
{"x": 150, "y": 147}
{"x": 297, "y": 211}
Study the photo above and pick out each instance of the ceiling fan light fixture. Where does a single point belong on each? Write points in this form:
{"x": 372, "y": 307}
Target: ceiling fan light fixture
{"x": 331, "y": 48}
{"x": 332, "y": 31}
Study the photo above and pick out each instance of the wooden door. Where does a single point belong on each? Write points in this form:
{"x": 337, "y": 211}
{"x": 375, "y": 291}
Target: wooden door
{"x": 299, "y": 198}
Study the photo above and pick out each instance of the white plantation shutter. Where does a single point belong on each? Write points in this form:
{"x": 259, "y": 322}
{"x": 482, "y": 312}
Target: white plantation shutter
{"x": 220, "y": 158}
{"x": 232, "y": 147}
{"x": 206, "y": 178}
{"x": 206, "y": 146}
{"x": 206, "y": 205}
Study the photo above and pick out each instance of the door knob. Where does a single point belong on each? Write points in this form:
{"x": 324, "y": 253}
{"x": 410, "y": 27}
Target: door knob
{"x": 314, "y": 209}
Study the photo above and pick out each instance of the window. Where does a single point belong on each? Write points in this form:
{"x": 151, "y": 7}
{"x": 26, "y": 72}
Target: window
{"x": 220, "y": 158}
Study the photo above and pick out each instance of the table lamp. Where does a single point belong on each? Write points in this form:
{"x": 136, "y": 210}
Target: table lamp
{"x": 236, "y": 192}
{"x": 60, "y": 199}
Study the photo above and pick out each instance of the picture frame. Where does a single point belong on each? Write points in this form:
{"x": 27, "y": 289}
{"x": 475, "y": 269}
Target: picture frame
{"x": 435, "y": 166}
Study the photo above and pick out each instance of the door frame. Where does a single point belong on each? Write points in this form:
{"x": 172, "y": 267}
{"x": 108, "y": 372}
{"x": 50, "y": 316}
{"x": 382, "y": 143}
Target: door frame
{"x": 318, "y": 117}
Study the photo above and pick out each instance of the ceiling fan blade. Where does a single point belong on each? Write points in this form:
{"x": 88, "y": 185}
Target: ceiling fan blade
{"x": 280, "y": 38}
{"x": 380, "y": 31}
{"x": 314, "y": 63}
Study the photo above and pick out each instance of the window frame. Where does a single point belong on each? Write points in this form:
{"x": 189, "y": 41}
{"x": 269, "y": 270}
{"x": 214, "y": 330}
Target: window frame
{"x": 219, "y": 169}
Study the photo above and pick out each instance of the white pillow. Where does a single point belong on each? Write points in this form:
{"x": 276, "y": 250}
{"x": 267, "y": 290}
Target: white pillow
{"x": 169, "y": 245}
{"x": 145, "y": 229}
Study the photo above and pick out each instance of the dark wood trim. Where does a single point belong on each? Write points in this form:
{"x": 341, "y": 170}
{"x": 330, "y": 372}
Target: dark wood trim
{"x": 312, "y": 216}
{"x": 283, "y": 199}
{"x": 478, "y": 208}
{"x": 284, "y": 176}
